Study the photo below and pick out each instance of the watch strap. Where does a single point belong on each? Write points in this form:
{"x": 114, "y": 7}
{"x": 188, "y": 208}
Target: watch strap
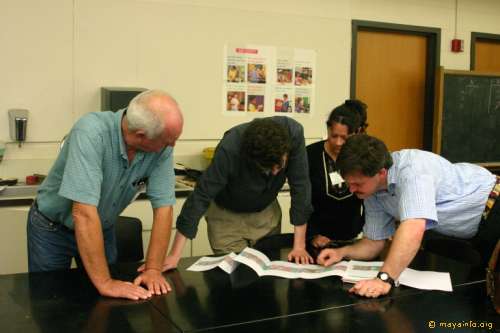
{"x": 384, "y": 276}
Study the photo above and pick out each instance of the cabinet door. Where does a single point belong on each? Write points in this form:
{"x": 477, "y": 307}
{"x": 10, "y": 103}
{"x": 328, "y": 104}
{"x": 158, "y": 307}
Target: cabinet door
{"x": 13, "y": 243}
{"x": 284, "y": 200}
{"x": 201, "y": 245}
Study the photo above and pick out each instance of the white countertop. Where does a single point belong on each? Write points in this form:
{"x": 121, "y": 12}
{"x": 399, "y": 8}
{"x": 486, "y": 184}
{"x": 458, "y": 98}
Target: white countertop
{"x": 23, "y": 191}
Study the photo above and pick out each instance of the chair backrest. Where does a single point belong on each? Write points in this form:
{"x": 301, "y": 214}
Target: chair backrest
{"x": 458, "y": 249}
{"x": 129, "y": 239}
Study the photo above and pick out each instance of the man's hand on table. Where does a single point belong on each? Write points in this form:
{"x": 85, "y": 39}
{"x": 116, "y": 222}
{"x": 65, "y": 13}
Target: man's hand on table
{"x": 154, "y": 281}
{"x": 371, "y": 288}
{"x": 123, "y": 289}
{"x": 328, "y": 257}
{"x": 300, "y": 256}
{"x": 320, "y": 241}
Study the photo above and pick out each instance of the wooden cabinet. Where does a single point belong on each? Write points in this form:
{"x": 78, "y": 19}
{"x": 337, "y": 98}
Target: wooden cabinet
{"x": 13, "y": 244}
{"x": 201, "y": 245}
{"x": 13, "y": 241}
{"x": 285, "y": 203}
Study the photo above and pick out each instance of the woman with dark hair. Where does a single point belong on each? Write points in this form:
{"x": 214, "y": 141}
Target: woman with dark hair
{"x": 338, "y": 214}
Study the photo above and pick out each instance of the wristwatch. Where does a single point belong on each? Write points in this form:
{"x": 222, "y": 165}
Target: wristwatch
{"x": 387, "y": 278}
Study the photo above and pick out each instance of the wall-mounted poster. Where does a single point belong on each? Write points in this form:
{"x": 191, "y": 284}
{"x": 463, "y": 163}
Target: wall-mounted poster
{"x": 268, "y": 80}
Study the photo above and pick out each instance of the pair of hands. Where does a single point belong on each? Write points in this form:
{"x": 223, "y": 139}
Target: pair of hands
{"x": 152, "y": 279}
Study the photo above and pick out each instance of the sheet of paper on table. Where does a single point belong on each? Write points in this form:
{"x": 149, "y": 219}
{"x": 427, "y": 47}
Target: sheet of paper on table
{"x": 426, "y": 280}
{"x": 225, "y": 262}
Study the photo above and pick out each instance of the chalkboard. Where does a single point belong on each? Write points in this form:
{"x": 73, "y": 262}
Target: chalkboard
{"x": 469, "y": 117}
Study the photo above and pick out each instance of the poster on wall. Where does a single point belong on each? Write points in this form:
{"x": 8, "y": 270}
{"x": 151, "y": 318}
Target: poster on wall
{"x": 268, "y": 80}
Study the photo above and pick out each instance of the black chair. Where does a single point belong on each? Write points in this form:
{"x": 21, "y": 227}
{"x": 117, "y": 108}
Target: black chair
{"x": 129, "y": 239}
{"x": 450, "y": 247}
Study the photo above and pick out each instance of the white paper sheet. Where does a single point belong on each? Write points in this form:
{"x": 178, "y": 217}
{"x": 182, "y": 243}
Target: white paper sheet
{"x": 426, "y": 280}
{"x": 228, "y": 265}
{"x": 225, "y": 262}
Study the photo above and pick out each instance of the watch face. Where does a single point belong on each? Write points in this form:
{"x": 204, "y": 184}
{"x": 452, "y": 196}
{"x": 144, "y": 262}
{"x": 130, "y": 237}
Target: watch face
{"x": 383, "y": 276}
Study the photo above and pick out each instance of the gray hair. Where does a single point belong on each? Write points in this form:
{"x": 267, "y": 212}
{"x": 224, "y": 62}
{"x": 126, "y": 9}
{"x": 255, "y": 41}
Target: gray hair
{"x": 140, "y": 117}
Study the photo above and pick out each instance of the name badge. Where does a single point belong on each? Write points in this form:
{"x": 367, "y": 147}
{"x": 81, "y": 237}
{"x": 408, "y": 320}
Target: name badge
{"x": 336, "y": 178}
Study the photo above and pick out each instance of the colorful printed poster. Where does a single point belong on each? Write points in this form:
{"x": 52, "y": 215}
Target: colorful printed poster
{"x": 268, "y": 80}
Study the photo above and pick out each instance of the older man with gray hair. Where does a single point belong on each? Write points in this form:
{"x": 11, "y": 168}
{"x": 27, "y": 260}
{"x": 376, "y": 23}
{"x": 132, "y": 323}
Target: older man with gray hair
{"x": 107, "y": 157}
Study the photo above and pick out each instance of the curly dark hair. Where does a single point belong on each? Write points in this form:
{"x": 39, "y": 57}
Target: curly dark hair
{"x": 365, "y": 154}
{"x": 264, "y": 142}
{"x": 344, "y": 116}
{"x": 360, "y": 108}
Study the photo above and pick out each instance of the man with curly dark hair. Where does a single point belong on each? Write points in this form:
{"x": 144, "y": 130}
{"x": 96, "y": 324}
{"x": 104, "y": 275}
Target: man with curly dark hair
{"x": 264, "y": 144}
{"x": 238, "y": 191}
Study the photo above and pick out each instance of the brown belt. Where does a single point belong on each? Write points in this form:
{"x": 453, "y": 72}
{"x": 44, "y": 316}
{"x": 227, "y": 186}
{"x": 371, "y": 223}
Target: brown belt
{"x": 492, "y": 198}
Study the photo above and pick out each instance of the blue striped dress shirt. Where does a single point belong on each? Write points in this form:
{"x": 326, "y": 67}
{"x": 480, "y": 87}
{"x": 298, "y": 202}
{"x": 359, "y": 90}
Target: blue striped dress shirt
{"x": 422, "y": 185}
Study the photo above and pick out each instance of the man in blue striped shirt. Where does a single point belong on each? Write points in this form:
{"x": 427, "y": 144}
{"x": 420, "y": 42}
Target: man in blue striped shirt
{"x": 102, "y": 166}
{"x": 423, "y": 191}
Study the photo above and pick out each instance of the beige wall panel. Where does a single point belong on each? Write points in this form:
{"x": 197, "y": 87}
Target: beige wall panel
{"x": 36, "y": 66}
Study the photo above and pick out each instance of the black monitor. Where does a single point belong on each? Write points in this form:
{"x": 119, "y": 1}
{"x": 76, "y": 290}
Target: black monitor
{"x": 116, "y": 98}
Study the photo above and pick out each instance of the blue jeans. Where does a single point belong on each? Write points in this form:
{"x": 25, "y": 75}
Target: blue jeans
{"x": 51, "y": 246}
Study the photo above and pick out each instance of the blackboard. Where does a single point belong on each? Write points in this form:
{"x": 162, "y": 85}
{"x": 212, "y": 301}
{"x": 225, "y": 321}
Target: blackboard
{"x": 469, "y": 117}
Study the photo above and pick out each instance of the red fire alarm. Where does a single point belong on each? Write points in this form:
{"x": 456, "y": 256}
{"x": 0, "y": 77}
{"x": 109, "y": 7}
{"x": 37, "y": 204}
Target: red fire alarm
{"x": 457, "y": 45}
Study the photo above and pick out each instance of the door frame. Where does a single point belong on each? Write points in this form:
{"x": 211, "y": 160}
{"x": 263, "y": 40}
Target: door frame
{"x": 433, "y": 37}
{"x": 474, "y": 36}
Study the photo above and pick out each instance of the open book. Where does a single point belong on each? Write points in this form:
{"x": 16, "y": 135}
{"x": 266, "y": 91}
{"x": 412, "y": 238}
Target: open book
{"x": 350, "y": 271}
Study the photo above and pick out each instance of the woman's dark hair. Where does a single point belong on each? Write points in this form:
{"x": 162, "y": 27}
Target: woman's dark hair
{"x": 365, "y": 154}
{"x": 360, "y": 108}
{"x": 342, "y": 115}
{"x": 264, "y": 142}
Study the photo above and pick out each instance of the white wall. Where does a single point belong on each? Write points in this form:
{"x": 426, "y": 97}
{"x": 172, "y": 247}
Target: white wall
{"x": 56, "y": 54}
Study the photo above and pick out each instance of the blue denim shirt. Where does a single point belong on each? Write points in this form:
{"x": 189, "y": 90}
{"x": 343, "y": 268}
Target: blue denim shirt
{"x": 423, "y": 185}
{"x": 93, "y": 168}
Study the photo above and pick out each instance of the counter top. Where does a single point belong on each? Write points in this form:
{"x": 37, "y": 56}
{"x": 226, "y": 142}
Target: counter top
{"x": 22, "y": 194}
